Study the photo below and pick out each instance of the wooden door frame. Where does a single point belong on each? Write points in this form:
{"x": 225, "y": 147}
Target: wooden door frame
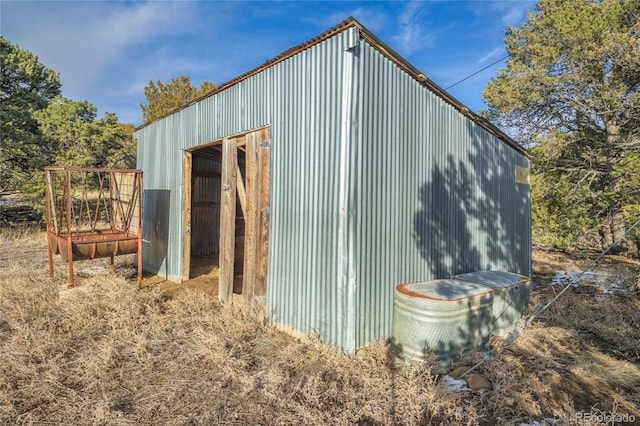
{"x": 186, "y": 216}
{"x": 254, "y": 196}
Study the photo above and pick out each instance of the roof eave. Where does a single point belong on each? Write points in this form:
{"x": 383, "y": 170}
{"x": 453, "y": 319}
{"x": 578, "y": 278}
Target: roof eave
{"x": 382, "y": 48}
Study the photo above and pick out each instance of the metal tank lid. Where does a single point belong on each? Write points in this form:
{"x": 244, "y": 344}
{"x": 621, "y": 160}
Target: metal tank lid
{"x": 493, "y": 278}
{"x": 444, "y": 289}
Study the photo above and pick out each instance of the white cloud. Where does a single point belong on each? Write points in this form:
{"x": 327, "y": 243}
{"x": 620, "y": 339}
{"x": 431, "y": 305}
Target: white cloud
{"x": 512, "y": 13}
{"x": 84, "y": 40}
{"x": 107, "y": 51}
{"x": 492, "y": 54}
{"x": 506, "y": 12}
{"x": 411, "y": 36}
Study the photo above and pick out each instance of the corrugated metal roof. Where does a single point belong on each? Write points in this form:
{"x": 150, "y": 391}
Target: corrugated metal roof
{"x": 384, "y": 49}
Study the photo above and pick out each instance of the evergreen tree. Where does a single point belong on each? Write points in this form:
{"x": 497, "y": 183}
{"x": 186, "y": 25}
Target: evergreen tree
{"x": 26, "y": 86}
{"x": 73, "y": 136}
{"x": 571, "y": 93}
{"x": 163, "y": 99}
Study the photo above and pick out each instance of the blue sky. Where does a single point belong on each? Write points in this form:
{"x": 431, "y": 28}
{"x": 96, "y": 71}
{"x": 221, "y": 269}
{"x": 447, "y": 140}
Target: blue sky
{"x": 107, "y": 51}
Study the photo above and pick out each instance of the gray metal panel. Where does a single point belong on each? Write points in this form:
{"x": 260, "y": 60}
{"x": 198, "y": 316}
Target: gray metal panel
{"x": 436, "y": 194}
{"x": 377, "y": 187}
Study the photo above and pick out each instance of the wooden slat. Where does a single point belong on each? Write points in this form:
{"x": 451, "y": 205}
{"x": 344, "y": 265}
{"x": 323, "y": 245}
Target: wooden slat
{"x": 264, "y": 157}
{"x": 251, "y": 219}
{"x": 242, "y": 195}
{"x": 227, "y": 220}
{"x": 51, "y": 213}
{"x": 186, "y": 218}
{"x": 264, "y": 178}
{"x": 237, "y": 136}
{"x": 241, "y": 141}
{"x": 69, "y": 201}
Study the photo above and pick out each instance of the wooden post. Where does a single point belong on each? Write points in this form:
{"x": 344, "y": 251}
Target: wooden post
{"x": 251, "y": 219}
{"x": 227, "y": 220}
{"x": 186, "y": 217}
{"x": 264, "y": 183}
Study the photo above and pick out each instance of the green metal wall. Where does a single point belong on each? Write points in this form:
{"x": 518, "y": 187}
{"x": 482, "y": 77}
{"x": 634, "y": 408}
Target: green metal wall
{"x": 375, "y": 181}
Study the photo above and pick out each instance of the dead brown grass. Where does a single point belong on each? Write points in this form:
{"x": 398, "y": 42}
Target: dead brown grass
{"x": 106, "y": 353}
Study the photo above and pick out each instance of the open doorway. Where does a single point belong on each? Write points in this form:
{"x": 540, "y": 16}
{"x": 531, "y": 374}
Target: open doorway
{"x": 225, "y": 214}
{"x": 206, "y": 169}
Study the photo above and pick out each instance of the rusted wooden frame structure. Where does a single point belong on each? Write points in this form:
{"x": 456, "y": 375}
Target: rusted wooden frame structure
{"x": 111, "y": 227}
{"x": 253, "y": 193}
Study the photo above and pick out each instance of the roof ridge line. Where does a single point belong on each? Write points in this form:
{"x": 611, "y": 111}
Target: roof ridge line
{"x": 383, "y": 48}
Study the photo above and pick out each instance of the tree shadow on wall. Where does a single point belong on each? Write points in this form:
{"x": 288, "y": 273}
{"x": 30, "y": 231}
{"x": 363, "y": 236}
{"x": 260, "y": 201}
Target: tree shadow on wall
{"x": 441, "y": 228}
{"x": 473, "y": 216}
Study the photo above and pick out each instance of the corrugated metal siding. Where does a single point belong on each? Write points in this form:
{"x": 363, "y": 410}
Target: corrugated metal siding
{"x": 301, "y": 286}
{"x": 301, "y": 99}
{"x": 429, "y": 193}
{"x": 435, "y": 195}
{"x": 161, "y": 166}
{"x": 205, "y": 202}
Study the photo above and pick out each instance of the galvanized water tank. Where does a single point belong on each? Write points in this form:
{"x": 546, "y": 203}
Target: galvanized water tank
{"x": 510, "y": 301}
{"x": 445, "y": 316}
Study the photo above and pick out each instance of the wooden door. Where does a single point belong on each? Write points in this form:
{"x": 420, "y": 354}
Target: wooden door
{"x": 251, "y": 192}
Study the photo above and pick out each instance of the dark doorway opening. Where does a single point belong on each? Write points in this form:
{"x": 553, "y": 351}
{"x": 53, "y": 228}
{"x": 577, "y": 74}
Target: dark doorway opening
{"x": 225, "y": 214}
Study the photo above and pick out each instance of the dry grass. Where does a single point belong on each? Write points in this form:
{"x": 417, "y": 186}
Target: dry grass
{"x": 106, "y": 353}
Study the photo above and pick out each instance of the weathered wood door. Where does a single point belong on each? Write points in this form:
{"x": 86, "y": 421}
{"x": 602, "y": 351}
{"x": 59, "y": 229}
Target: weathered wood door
{"x": 252, "y": 192}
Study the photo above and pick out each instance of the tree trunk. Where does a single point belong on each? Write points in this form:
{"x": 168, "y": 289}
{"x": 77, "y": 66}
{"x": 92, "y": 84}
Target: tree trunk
{"x": 606, "y": 235}
{"x": 614, "y": 228}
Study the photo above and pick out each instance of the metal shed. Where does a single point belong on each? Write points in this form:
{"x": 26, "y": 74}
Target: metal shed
{"x": 326, "y": 177}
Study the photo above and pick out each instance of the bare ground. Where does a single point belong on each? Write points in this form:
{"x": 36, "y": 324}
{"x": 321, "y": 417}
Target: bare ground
{"x": 107, "y": 353}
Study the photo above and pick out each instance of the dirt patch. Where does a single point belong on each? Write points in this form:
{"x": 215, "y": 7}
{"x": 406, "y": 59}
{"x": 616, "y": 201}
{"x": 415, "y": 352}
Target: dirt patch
{"x": 547, "y": 263}
{"x": 204, "y": 278}
{"x": 206, "y": 283}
